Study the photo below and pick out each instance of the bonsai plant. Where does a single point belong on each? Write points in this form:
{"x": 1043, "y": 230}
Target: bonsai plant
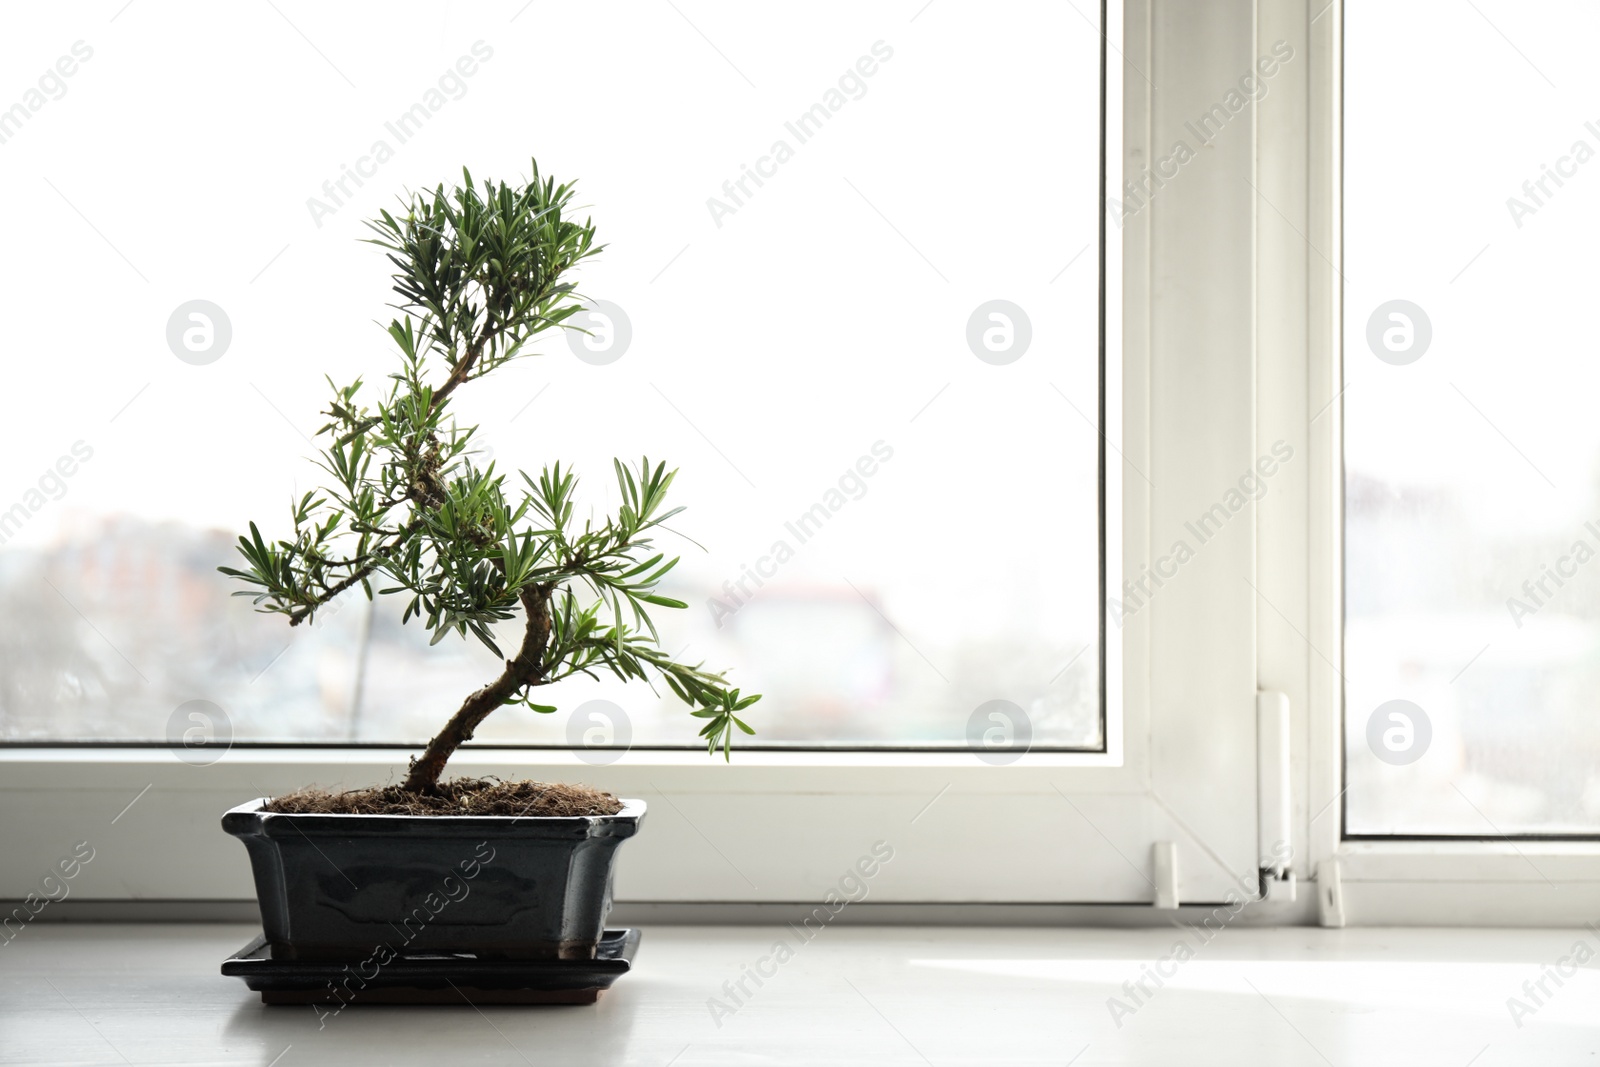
{"x": 408, "y": 512}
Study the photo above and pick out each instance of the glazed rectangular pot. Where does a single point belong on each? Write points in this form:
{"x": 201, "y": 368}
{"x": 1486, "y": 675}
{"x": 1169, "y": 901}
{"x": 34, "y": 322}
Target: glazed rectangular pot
{"x": 347, "y": 887}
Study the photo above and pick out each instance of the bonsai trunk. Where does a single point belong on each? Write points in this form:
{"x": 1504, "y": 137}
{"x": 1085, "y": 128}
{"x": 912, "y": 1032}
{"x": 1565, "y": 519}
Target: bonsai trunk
{"x": 526, "y": 669}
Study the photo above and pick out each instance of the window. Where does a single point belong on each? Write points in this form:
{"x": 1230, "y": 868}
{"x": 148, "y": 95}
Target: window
{"x": 1473, "y": 605}
{"x": 830, "y": 329}
{"x": 851, "y": 289}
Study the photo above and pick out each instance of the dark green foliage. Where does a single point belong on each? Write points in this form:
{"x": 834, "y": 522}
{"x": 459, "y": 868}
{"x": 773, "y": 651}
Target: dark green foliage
{"x": 407, "y": 511}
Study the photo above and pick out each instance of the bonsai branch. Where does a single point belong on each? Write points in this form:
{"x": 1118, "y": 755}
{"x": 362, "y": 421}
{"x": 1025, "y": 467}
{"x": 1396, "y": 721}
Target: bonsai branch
{"x": 369, "y": 563}
{"x": 301, "y": 614}
{"x": 522, "y": 671}
{"x": 463, "y": 368}
{"x": 461, "y": 373}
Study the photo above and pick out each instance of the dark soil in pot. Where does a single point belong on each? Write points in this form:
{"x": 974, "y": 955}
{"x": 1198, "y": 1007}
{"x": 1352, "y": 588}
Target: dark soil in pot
{"x": 463, "y": 796}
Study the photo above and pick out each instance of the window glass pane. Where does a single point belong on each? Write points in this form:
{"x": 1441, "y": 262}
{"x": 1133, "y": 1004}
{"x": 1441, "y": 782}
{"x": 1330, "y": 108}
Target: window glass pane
{"x": 811, "y": 211}
{"x": 1472, "y": 521}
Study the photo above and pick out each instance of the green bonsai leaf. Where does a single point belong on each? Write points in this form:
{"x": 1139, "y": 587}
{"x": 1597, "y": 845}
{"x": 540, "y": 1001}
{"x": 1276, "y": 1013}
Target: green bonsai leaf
{"x": 480, "y": 273}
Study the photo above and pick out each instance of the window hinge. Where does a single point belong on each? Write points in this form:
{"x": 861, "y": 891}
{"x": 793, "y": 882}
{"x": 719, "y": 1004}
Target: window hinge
{"x": 1274, "y": 803}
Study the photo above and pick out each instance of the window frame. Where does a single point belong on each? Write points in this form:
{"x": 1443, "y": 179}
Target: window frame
{"x": 174, "y": 851}
{"x": 1180, "y": 679}
{"x": 1364, "y": 879}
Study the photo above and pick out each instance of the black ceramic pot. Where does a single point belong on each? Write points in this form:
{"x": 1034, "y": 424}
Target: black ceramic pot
{"x": 358, "y": 888}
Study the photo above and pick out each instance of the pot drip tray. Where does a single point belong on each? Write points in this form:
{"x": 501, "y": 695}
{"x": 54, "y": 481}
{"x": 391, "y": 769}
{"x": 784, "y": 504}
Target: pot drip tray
{"x": 435, "y": 979}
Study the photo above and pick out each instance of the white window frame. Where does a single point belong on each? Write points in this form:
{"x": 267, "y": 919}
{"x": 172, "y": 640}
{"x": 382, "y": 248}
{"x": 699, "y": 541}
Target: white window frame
{"x": 1171, "y": 801}
{"x": 1224, "y": 304}
{"x": 1442, "y": 881}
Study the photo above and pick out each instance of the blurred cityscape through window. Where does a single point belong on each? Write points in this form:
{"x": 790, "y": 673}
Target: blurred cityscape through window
{"x": 879, "y": 353}
{"x": 1472, "y": 489}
